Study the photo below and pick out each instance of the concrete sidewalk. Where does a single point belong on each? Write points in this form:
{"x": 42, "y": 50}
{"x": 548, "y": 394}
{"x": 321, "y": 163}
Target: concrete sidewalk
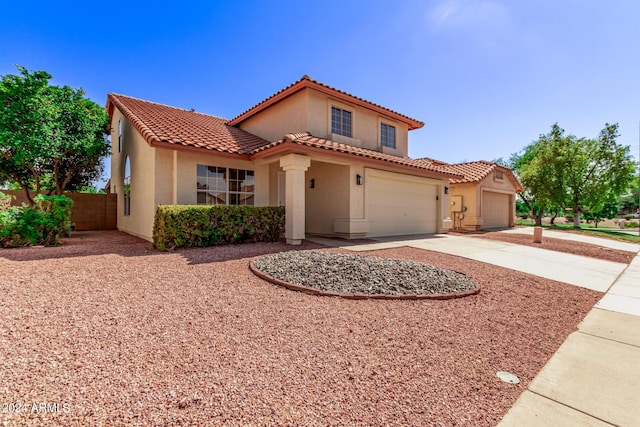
{"x": 594, "y": 240}
{"x": 593, "y": 379}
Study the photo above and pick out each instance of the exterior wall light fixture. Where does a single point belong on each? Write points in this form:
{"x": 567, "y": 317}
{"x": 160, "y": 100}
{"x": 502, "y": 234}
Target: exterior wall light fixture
{"x": 312, "y": 183}
{"x": 358, "y": 179}
{"x": 446, "y": 190}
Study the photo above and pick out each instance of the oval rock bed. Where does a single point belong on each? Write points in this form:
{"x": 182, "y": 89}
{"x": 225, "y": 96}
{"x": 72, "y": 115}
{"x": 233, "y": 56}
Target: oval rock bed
{"x": 361, "y": 277}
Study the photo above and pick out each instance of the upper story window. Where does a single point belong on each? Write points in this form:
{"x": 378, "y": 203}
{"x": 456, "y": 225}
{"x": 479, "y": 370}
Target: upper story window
{"x": 120, "y": 136}
{"x": 498, "y": 175}
{"x": 225, "y": 186}
{"x": 387, "y": 136}
{"x": 341, "y": 122}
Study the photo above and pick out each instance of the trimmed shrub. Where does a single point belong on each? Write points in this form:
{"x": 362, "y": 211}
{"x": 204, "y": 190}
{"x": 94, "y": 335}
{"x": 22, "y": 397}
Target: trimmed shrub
{"x": 41, "y": 224}
{"x": 631, "y": 224}
{"x": 178, "y": 226}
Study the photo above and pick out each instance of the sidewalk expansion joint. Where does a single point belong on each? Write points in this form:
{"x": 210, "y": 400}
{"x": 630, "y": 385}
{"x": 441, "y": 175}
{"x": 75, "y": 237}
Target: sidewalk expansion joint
{"x": 608, "y": 339}
{"x": 571, "y": 407}
{"x": 620, "y": 275}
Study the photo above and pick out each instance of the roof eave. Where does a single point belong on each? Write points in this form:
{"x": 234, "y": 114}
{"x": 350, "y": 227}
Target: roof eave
{"x": 288, "y": 146}
{"x": 163, "y": 145}
{"x": 411, "y": 123}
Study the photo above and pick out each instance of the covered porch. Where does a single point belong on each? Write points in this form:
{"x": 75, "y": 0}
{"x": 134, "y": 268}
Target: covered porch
{"x": 335, "y": 196}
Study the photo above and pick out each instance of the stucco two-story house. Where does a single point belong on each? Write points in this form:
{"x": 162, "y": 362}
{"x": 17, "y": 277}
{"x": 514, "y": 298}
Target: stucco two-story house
{"x": 337, "y": 162}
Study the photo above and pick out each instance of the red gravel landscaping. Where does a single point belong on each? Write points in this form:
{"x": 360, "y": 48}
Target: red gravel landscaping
{"x": 114, "y": 333}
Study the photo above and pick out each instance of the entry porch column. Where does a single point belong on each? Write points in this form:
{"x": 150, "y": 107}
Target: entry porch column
{"x": 294, "y": 166}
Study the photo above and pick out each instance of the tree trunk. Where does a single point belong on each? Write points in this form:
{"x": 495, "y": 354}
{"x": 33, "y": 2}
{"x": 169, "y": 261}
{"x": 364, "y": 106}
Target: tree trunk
{"x": 576, "y": 217}
{"x": 553, "y": 218}
{"x": 27, "y": 194}
{"x": 538, "y": 217}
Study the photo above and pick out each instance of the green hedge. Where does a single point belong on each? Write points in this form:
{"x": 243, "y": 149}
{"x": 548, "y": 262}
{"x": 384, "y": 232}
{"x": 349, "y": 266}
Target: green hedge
{"x": 199, "y": 226}
{"x": 41, "y": 224}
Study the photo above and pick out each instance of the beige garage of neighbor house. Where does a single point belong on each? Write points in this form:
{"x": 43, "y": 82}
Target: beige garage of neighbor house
{"x": 337, "y": 162}
{"x": 484, "y": 197}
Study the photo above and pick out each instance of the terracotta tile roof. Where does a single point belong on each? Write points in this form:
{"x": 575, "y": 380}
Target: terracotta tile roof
{"x": 161, "y": 124}
{"x": 433, "y": 162}
{"x": 305, "y": 139}
{"x": 477, "y": 171}
{"x": 307, "y": 82}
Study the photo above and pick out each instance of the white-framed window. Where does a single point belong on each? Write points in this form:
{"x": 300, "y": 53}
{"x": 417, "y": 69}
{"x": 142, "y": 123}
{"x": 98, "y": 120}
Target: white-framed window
{"x": 225, "y": 186}
{"x": 341, "y": 122}
{"x": 126, "y": 188}
{"x": 120, "y": 136}
{"x": 387, "y": 135}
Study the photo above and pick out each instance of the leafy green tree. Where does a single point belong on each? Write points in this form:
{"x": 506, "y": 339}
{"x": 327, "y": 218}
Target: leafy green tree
{"x": 517, "y": 162}
{"x": 578, "y": 173}
{"x": 25, "y": 118}
{"x": 51, "y": 137}
{"x": 629, "y": 202}
{"x": 608, "y": 211}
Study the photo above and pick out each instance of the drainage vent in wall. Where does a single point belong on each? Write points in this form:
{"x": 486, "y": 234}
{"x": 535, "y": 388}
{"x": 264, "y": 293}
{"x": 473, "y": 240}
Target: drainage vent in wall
{"x": 508, "y": 377}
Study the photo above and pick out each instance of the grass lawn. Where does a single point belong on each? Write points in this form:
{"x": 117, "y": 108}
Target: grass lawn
{"x": 590, "y": 229}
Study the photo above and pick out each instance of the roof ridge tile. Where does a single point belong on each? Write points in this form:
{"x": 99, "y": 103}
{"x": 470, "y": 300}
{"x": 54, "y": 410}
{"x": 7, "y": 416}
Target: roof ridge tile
{"x": 166, "y": 105}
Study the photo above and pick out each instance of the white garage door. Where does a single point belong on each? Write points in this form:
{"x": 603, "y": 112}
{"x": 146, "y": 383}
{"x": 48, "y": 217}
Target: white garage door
{"x": 495, "y": 210}
{"x": 398, "y": 204}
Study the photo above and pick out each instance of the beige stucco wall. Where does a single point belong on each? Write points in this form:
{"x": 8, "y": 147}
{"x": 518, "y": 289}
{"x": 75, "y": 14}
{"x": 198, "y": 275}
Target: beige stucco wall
{"x": 273, "y": 170}
{"x": 288, "y": 115}
{"x": 472, "y": 199}
{"x": 142, "y": 163}
{"x": 310, "y": 111}
{"x": 163, "y": 176}
{"x": 329, "y": 200}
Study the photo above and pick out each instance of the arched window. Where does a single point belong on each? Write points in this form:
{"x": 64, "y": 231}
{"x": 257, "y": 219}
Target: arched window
{"x": 120, "y": 136}
{"x": 127, "y": 187}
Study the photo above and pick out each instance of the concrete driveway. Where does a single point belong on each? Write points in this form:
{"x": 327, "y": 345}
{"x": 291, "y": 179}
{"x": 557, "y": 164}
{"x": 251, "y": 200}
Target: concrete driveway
{"x": 590, "y": 273}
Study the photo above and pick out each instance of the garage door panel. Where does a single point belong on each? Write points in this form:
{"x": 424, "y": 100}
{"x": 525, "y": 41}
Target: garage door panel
{"x": 407, "y": 200}
{"x": 495, "y": 210}
{"x": 397, "y": 204}
{"x": 380, "y": 213}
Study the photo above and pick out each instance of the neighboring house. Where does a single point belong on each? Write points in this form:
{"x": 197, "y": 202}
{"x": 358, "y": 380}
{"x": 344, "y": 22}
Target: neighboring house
{"x": 337, "y": 162}
{"x": 484, "y": 197}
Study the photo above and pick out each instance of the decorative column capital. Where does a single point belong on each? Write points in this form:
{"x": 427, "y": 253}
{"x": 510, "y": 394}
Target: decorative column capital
{"x": 295, "y": 162}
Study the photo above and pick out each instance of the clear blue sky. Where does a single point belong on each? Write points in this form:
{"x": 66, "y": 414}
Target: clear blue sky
{"x": 486, "y": 77}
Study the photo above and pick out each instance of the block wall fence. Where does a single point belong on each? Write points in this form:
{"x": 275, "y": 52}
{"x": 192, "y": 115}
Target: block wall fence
{"x": 89, "y": 211}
